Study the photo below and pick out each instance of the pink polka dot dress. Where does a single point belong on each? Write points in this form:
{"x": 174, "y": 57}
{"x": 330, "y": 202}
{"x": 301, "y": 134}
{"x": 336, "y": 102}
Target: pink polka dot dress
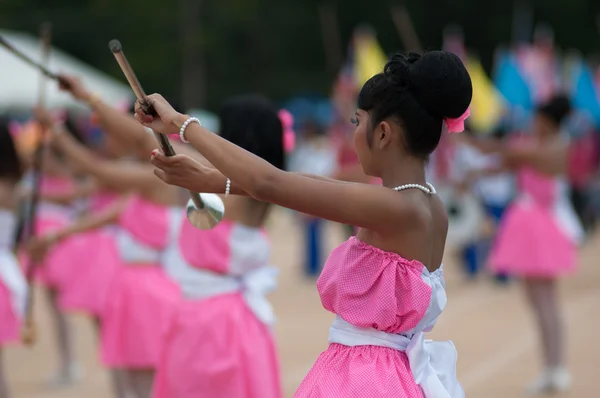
{"x": 384, "y": 303}
{"x": 219, "y": 341}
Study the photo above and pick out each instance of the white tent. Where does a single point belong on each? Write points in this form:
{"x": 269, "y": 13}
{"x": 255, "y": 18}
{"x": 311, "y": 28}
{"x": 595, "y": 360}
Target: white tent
{"x": 19, "y": 82}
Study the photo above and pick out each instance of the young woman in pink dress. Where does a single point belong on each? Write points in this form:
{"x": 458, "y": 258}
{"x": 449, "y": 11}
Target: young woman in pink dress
{"x": 539, "y": 234}
{"x": 86, "y": 288}
{"x": 84, "y": 284}
{"x": 13, "y": 287}
{"x": 56, "y": 180}
{"x": 141, "y": 295}
{"x": 220, "y": 342}
{"x": 386, "y": 284}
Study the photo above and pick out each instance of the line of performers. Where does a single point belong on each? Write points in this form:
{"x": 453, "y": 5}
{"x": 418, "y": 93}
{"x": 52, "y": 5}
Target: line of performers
{"x": 182, "y": 312}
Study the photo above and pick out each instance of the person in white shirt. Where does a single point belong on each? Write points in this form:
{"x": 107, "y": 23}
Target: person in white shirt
{"x": 474, "y": 171}
{"x": 314, "y": 154}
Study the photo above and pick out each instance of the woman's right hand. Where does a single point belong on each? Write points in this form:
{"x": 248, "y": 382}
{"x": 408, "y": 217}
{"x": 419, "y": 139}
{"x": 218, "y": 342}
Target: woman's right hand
{"x": 74, "y": 86}
{"x": 185, "y": 172}
{"x": 166, "y": 121}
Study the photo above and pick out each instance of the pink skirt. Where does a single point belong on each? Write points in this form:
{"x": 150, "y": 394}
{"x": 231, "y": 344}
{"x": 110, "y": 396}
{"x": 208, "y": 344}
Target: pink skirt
{"x": 216, "y": 347}
{"x": 52, "y": 269}
{"x": 530, "y": 243}
{"x": 10, "y": 323}
{"x": 363, "y": 371}
{"x": 139, "y": 306}
{"x": 94, "y": 260}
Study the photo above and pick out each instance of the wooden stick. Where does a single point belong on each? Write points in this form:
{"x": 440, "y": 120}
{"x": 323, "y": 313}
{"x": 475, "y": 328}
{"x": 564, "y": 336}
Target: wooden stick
{"x": 28, "y": 333}
{"x": 332, "y": 41}
{"x": 147, "y": 107}
{"x": 406, "y": 30}
{"x": 46, "y": 38}
{"x": 522, "y": 22}
{"x": 28, "y": 60}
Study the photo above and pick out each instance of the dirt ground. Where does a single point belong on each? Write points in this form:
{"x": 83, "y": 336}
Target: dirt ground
{"x": 490, "y": 325}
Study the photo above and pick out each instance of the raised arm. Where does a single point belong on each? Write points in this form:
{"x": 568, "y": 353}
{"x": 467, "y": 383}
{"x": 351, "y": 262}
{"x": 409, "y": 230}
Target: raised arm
{"x": 112, "y": 121}
{"x": 122, "y": 126}
{"x": 547, "y": 158}
{"x": 198, "y": 175}
{"x": 38, "y": 247}
{"x": 362, "y": 205}
{"x": 550, "y": 158}
{"x": 121, "y": 176}
{"x": 82, "y": 190}
{"x": 484, "y": 145}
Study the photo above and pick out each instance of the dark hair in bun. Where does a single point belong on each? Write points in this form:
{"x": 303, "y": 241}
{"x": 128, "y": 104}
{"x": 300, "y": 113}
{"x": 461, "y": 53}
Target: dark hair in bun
{"x": 10, "y": 164}
{"x": 418, "y": 92}
{"x": 252, "y": 122}
{"x": 556, "y": 109}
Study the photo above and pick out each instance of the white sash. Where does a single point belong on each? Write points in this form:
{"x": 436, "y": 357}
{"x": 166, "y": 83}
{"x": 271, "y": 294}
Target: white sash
{"x": 254, "y": 285}
{"x": 14, "y": 280}
{"x": 201, "y": 284}
{"x": 563, "y": 214}
{"x": 11, "y": 274}
{"x": 432, "y": 363}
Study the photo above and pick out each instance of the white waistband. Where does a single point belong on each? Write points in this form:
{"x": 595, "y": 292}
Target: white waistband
{"x": 14, "y": 280}
{"x": 133, "y": 251}
{"x": 342, "y": 332}
{"x": 50, "y": 209}
{"x": 432, "y": 363}
{"x": 564, "y": 216}
{"x": 254, "y": 286}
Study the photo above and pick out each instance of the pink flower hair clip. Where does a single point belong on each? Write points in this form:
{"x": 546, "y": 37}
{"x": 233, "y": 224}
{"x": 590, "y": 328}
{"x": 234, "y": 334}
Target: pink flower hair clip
{"x": 457, "y": 125}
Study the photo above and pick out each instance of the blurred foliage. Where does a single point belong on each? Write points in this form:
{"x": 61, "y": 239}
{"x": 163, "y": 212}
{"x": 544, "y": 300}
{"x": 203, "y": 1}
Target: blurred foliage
{"x": 271, "y": 46}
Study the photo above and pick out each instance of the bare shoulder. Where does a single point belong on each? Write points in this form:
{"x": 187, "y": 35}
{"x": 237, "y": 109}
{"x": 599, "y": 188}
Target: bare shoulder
{"x": 418, "y": 227}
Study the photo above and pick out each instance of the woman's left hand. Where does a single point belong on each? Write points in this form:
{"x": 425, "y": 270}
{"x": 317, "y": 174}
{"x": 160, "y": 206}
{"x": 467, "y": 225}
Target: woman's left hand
{"x": 185, "y": 172}
{"x": 166, "y": 120}
{"x": 38, "y": 247}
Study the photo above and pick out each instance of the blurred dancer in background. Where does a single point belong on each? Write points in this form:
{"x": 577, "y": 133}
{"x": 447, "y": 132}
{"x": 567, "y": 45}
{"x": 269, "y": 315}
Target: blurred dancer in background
{"x": 13, "y": 287}
{"x": 316, "y": 155}
{"x": 141, "y": 296}
{"x": 56, "y": 181}
{"x": 220, "y": 341}
{"x": 539, "y": 233}
{"x": 480, "y": 173}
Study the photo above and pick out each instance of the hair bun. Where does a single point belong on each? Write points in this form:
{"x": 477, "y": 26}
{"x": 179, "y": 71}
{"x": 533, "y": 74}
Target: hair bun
{"x": 440, "y": 83}
{"x": 397, "y": 70}
{"x": 556, "y": 108}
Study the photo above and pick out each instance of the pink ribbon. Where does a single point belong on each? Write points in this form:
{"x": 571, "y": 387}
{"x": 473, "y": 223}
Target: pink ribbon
{"x": 15, "y": 128}
{"x": 457, "y": 125}
{"x": 289, "y": 136}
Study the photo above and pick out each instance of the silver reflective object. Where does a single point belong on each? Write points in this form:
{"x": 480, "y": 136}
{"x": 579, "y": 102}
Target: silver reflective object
{"x": 205, "y": 210}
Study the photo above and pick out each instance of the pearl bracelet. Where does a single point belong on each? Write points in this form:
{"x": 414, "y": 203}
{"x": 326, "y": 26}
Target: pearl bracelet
{"x": 227, "y": 187}
{"x": 93, "y": 100}
{"x": 184, "y": 126}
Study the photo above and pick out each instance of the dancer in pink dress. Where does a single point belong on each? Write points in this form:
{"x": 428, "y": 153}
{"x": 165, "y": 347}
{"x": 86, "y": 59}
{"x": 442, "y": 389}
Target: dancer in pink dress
{"x": 220, "y": 342}
{"x": 386, "y": 284}
{"x": 13, "y": 287}
{"x": 56, "y": 180}
{"x": 142, "y": 298}
{"x": 141, "y": 294}
{"x": 86, "y": 289}
{"x": 539, "y": 234}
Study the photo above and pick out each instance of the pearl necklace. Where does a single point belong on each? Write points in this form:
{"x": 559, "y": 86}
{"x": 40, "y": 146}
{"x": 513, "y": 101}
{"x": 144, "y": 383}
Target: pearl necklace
{"x": 428, "y": 191}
